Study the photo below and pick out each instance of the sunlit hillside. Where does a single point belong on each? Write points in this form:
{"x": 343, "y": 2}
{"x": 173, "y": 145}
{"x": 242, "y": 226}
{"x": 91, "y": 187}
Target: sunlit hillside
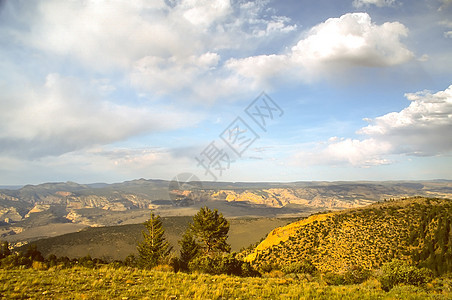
{"x": 416, "y": 229}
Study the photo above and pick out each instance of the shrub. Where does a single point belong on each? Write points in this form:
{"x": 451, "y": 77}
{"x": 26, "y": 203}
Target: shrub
{"x": 356, "y": 274}
{"x": 131, "y": 261}
{"x": 332, "y": 278}
{"x": 52, "y": 260}
{"x": 86, "y": 262}
{"x": 222, "y": 264}
{"x": 304, "y": 266}
{"x": 248, "y": 270}
{"x": 399, "y": 272}
{"x": 205, "y": 264}
{"x": 64, "y": 261}
{"x": 267, "y": 267}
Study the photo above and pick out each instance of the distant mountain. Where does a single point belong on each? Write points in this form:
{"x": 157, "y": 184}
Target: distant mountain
{"x": 51, "y": 209}
{"x": 416, "y": 229}
{"x": 10, "y": 187}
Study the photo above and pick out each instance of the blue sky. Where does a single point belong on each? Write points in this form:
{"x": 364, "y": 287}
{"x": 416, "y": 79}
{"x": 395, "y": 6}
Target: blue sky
{"x": 107, "y": 91}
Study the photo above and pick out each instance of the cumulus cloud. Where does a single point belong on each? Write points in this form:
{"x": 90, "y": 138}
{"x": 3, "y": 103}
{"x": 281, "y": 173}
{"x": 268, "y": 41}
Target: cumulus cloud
{"x": 158, "y": 46}
{"x": 378, "y": 3}
{"x": 421, "y": 129}
{"x": 184, "y": 47}
{"x": 352, "y": 40}
{"x": 64, "y": 115}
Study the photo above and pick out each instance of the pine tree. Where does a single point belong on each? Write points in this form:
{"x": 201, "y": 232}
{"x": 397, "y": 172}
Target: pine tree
{"x": 211, "y": 229}
{"x": 154, "y": 248}
{"x": 189, "y": 249}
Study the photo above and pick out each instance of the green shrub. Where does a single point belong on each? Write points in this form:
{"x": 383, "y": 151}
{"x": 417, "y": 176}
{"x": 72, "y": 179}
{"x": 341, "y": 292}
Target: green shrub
{"x": 304, "y": 266}
{"x": 248, "y": 270}
{"x": 356, "y": 274}
{"x": 268, "y": 267}
{"x": 399, "y": 272}
{"x": 332, "y": 278}
{"x": 205, "y": 264}
{"x": 222, "y": 264}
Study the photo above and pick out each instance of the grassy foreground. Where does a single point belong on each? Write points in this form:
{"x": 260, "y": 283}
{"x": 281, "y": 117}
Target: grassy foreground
{"x": 129, "y": 283}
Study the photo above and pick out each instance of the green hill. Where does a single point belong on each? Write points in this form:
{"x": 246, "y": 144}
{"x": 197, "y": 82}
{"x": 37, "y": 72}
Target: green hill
{"x": 416, "y": 229}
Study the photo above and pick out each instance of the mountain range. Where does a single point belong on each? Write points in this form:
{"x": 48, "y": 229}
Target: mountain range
{"x": 51, "y": 209}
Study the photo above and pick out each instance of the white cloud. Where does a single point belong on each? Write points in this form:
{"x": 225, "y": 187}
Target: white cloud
{"x": 341, "y": 151}
{"x": 102, "y": 163}
{"x": 378, "y": 3}
{"x": 178, "y": 49}
{"x": 101, "y": 34}
{"x": 421, "y": 129}
{"x": 65, "y": 115}
{"x": 275, "y": 25}
{"x": 162, "y": 75}
{"x": 205, "y": 12}
{"x": 336, "y": 44}
{"x": 262, "y": 69}
{"x": 353, "y": 39}
{"x": 160, "y": 47}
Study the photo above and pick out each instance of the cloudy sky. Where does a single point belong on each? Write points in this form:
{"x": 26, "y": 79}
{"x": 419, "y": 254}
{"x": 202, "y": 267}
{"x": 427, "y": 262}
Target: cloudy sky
{"x": 107, "y": 91}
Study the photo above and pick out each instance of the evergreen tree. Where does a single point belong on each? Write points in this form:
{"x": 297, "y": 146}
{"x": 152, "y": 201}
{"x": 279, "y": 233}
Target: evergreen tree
{"x": 211, "y": 229}
{"x": 189, "y": 249}
{"x": 154, "y": 248}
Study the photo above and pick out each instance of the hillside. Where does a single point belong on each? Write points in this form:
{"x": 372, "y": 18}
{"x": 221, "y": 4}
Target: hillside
{"x": 414, "y": 229}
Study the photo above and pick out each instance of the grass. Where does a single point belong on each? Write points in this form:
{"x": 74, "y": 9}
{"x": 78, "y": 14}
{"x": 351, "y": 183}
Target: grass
{"x": 129, "y": 283}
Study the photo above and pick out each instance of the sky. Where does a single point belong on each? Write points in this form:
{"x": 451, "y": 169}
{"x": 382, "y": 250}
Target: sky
{"x": 287, "y": 90}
